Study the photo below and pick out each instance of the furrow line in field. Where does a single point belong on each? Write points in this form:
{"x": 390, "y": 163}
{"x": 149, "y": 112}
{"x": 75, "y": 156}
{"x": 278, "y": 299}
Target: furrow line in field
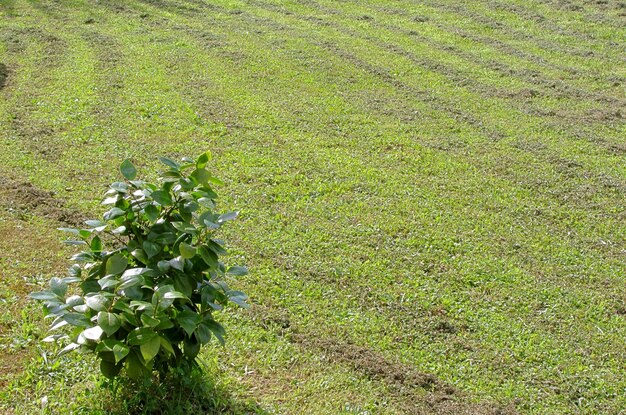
{"x": 499, "y": 29}
{"x": 584, "y": 42}
{"x": 612, "y": 115}
{"x": 534, "y": 77}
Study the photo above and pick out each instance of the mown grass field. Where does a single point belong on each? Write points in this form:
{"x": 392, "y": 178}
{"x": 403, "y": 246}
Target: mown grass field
{"x": 431, "y": 193}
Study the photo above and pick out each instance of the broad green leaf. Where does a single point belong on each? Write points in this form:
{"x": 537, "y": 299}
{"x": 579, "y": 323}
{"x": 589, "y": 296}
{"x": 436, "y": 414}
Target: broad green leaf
{"x": 217, "y": 248}
{"x": 162, "y": 197}
{"x": 96, "y": 244}
{"x": 188, "y": 320}
{"x": 74, "y": 300}
{"x": 174, "y": 294}
{"x": 208, "y": 256}
{"x": 203, "y": 159}
{"x": 131, "y": 281}
{"x": 97, "y": 302}
{"x": 191, "y": 347}
{"x": 178, "y": 263}
{"x": 201, "y": 176}
{"x": 185, "y": 284}
{"x": 136, "y": 271}
{"x": 166, "y": 345}
{"x": 216, "y": 328}
{"x": 237, "y": 271}
{"x": 109, "y": 369}
{"x": 203, "y": 333}
{"x": 128, "y": 170}
{"x": 113, "y": 213}
{"x": 93, "y": 333}
{"x": 108, "y": 282}
{"x": 44, "y": 296}
{"x": 151, "y": 348}
{"x": 58, "y": 286}
{"x": 119, "y": 187}
{"x": 149, "y": 321}
{"x": 95, "y": 223}
{"x": 152, "y": 213}
{"x": 140, "y": 254}
{"x": 140, "y": 336}
{"x": 70, "y": 230}
{"x": 109, "y": 322}
{"x": 73, "y": 242}
{"x": 186, "y": 250}
{"x": 170, "y": 163}
{"x": 120, "y": 351}
{"x": 227, "y": 216}
{"x": 135, "y": 368}
{"x": 116, "y": 264}
{"x": 151, "y": 248}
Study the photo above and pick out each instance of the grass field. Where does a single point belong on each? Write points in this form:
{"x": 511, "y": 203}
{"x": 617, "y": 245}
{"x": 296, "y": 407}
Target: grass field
{"x": 431, "y": 193}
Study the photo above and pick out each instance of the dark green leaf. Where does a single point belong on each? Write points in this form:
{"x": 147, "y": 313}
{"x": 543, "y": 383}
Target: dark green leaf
{"x": 216, "y": 328}
{"x": 97, "y": 302}
{"x": 113, "y": 213}
{"x": 151, "y": 248}
{"x": 170, "y": 163}
{"x": 58, "y": 286}
{"x": 191, "y": 347}
{"x": 202, "y": 161}
{"x": 201, "y": 176}
{"x": 152, "y": 213}
{"x": 227, "y": 216}
{"x": 186, "y": 250}
{"x": 162, "y": 197}
{"x": 96, "y": 244}
{"x": 188, "y": 320}
{"x": 119, "y": 187}
{"x": 140, "y": 255}
{"x": 120, "y": 350}
{"x": 203, "y": 334}
{"x": 149, "y": 321}
{"x": 178, "y": 263}
{"x": 109, "y": 322}
{"x": 166, "y": 345}
{"x": 116, "y": 264}
{"x": 237, "y": 271}
{"x": 140, "y": 336}
{"x": 128, "y": 170}
{"x": 109, "y": 369}
{"x": 208, "y": 256}
{"x": 151, "y": 348}
{"x": 44, "y": 296}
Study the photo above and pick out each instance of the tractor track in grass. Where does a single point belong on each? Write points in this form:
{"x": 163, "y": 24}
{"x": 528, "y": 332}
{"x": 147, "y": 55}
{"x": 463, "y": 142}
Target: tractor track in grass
{"x": 564, "y": 195}
{"x": 551, "y": 87}
{"x": 416, "y": 393}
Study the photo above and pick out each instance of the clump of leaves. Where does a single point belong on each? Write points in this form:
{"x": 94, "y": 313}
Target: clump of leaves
{"x": 147, "y": 303}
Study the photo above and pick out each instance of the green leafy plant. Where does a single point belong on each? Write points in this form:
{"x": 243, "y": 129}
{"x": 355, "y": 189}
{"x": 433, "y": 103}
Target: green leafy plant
{"x": 147, "y": 303}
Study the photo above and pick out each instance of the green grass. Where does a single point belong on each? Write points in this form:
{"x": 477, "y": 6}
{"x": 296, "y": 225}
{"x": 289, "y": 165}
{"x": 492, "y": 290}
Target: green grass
{"x": 430, "y": 188}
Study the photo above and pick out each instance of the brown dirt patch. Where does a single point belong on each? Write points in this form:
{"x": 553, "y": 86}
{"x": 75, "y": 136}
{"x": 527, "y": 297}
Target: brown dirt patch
{"x": 4, "y": 74}
{"x": 414, "y": 392}
{"x": 24, "y": 199}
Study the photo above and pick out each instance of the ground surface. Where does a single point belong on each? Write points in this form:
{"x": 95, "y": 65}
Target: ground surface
{"x": 431, "y": 195}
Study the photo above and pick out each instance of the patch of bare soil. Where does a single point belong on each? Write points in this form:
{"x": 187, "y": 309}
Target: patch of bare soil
{"x": 24, "y": 198}
{"x": 4, "y": 74}
{"x": 415, "y": 392}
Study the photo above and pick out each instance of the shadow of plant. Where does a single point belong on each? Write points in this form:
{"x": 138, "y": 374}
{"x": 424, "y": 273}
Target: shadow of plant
{"x": 195, "y": 393}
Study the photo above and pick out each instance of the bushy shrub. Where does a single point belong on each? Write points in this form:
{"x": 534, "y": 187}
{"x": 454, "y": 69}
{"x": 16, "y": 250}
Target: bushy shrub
{"x": 143, "y": 293}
